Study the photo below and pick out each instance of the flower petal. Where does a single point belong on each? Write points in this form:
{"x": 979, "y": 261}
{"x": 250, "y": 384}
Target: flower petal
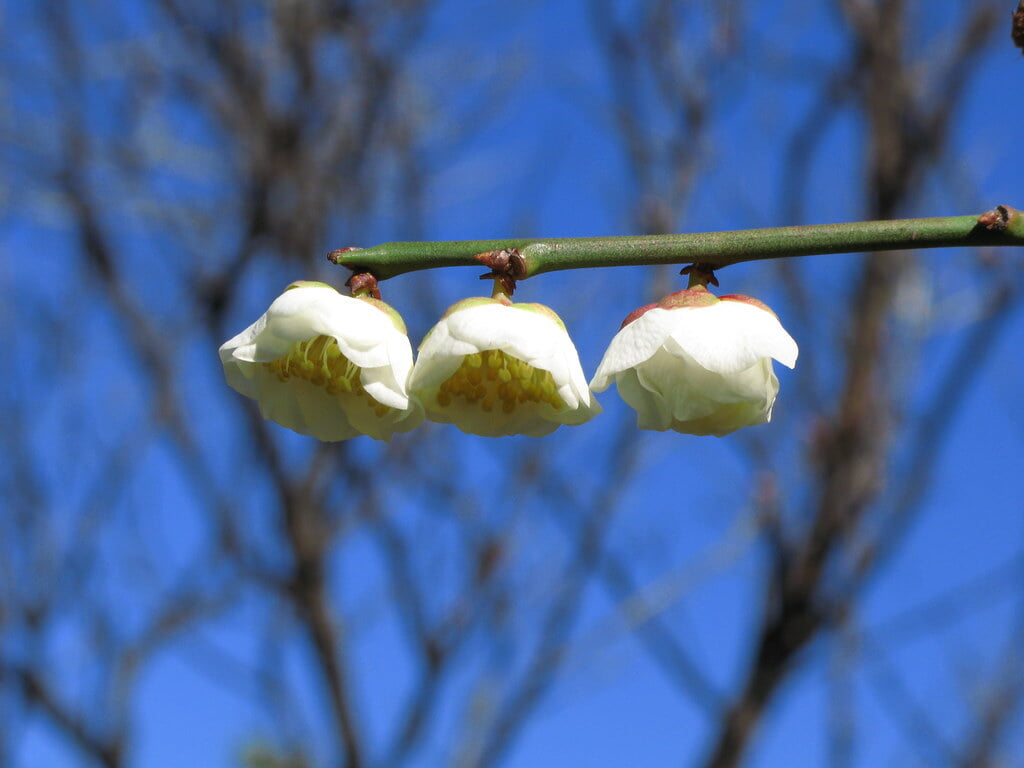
{"x": 652, "y": 411}
{"x": 634, "y": 343}
{"x": 730, "y": 336}
{"x": 521, "y": 333}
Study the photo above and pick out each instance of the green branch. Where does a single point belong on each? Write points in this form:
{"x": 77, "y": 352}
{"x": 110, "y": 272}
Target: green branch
{"x": 1001, "y": 226}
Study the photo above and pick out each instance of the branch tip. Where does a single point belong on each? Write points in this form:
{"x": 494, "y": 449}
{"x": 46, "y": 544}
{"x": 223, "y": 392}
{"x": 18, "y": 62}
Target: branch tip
{"x": 337, "y": 256}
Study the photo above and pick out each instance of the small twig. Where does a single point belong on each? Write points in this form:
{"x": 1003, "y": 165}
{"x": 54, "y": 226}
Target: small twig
{"x": 714, "y": 249}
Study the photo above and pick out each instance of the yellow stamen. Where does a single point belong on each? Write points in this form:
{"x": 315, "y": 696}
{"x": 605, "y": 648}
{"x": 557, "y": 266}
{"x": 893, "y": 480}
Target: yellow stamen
{"x": 320, "y": 362}
{"x": 504, "y": 379}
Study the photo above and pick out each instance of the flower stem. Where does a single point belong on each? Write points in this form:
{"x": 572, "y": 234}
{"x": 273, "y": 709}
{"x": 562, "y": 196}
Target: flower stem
{"x": 1000, "y": 227}
{"x": 500, "y": 293}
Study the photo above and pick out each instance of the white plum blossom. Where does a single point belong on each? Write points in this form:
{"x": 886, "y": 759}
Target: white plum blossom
{"x": 326, "y": 365}
{"x": 494, "y": 368}
{"x": 697, "y": 363}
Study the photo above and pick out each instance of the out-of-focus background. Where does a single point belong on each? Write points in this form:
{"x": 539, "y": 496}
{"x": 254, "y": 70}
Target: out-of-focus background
{"x": 183, "y": 584}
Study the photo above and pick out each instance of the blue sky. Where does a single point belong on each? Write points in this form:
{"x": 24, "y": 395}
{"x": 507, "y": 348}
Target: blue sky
{"x": 543, "y": 162}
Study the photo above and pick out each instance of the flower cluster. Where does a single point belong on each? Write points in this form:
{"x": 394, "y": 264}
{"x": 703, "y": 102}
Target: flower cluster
{"x": 334, "y": 366}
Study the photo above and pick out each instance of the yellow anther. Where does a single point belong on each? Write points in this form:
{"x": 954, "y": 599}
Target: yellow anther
{"x": 320, "y": 362}
{"x": 492, "y": 376}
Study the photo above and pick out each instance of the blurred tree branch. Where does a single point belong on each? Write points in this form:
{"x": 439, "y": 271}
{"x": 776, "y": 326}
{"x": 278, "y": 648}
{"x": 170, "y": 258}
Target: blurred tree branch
{"x": 185, "y": 156}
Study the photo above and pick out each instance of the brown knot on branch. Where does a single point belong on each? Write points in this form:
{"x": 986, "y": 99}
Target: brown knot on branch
{"x": 363, "y": 284}
{"x": 507, "y": 266}
{"x": 998, "y": 219}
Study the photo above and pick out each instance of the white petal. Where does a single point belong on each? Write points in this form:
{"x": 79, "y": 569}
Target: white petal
{"x": 726, "y": 419}
{"x": 278, "y": 402}
{"x": 730, "y": 336}
{"x": 583, "y": 412}
{"x": 440, "y": 355}
{"x": 303, "y": 313}
{"x": 518, "y": 332}
{"x": 387, "y": 383}
{"x": 633, "y": 344}
{"x": 366, "y": 421}
{"x": 527, "y": 419}
{"x": 239, "y": 375}
{"x": 323, "y": 417}
{"x": 381, "y": 385}
{"x": 651, "y": 409}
